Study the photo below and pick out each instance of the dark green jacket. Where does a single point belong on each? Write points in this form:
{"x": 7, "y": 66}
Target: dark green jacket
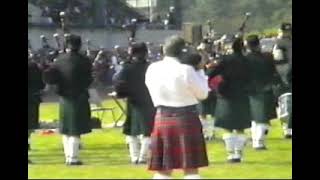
{"x": 140, "y": 111}
{"x": 35, "y": 85}
{"x": 72, "y": 75}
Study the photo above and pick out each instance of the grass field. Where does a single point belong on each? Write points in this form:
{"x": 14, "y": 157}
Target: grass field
{"x": 105, "y": 156}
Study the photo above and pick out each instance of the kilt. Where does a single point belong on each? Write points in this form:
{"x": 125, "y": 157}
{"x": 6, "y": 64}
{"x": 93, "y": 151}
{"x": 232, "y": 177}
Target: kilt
{"x": 177, "y": 141}
{"x": 75, "y": 115}
{"x": 33, "y": 113}
{"x": 233, "y": 113}
{"x": 140, "y": 119}
{"x": 262, "y": 107}
{"x": 207, "y": 106}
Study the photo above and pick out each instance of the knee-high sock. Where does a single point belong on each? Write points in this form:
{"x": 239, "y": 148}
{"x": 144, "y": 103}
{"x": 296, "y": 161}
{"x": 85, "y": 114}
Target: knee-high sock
{"x": 261, "y": 132}
{"x": 240, "y": 143}
{"x": 253, "y": 130}
{"x": 65, "y": 141}
{"x": 192, "y": 176}
{"x": 230, "y": 140}
{"x": 74, "y": 142}
{"x": 145, "y": 147}
{"x": 286, "y": 130}
{"x": 134, "y": 149}
{"x": 29, "y": 136}
{"x": 160, "y": 176}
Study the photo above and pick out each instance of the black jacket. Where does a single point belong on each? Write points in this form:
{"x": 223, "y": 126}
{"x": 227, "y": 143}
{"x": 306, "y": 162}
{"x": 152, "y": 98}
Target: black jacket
{"x": 72, "y": 73}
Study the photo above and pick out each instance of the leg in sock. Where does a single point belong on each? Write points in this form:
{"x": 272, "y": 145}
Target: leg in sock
{"x": 240, "y": 143}
{"x": 261, "y": 132}
{"x": 134, "y": 149}
{"x": 66, "y": 148}
{"x": 73, "y": 143}
{"x": 144, "y": 150}
{"x": 229, "y": 140}
{"x": 162, "y": 175}
{"x": 253, "y": 131}
{"x": 191, "y": 174}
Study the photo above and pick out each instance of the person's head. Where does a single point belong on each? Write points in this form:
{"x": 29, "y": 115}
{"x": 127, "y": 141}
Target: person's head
{"x": 253, "y": 43}
{"x": 285, "y": 30}
{"x": 192, "y": 59}
{"x": 173, "y": 46}
{"x": 138, "y": 52}
{"x": 237, "y": 45}
{"x": 73, "y": 42}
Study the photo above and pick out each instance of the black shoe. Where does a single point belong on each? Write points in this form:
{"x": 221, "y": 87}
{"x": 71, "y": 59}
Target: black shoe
{"x": 261, "y": 148}
{"x": 77, "y": 163}
{"x": 288, "y": 136}
{"x": 142, "y": 162}
{"x": 234, "y": 160}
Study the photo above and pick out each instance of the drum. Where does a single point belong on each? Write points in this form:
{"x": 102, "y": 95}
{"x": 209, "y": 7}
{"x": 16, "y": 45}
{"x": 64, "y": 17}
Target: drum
{"x": 285, "y": 106}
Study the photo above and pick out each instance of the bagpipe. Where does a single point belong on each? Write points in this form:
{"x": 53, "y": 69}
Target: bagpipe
{"x": 223, "y": 47}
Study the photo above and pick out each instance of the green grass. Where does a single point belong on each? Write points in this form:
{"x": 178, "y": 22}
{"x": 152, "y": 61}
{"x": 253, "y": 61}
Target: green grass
{"x": 105, "y": 156}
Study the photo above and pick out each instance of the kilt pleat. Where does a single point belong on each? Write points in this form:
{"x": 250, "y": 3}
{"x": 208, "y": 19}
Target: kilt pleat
{"x": 177, "y": 141}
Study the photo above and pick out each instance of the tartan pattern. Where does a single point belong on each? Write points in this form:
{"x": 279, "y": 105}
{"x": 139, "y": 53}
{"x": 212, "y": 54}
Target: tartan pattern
{"x": 177, "y": 141}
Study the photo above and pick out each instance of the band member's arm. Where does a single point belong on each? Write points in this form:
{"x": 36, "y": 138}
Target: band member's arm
{"x": 88, "y": 76}
{"x": 215, "y": 70}
{"x": 197, "y": 83}
{"x": 121, "y": 83}
{"x": 51, "y": 75}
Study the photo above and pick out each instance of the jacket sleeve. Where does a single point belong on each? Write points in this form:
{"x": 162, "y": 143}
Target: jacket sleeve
{"x": 121, "y": 83}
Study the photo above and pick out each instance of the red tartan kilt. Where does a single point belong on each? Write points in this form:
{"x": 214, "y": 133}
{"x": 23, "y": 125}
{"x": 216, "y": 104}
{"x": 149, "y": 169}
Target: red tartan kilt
{"x": 177, "y": 141}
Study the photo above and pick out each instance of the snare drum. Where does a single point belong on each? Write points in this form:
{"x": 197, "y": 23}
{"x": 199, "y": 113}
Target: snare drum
{"x": 285, "y": 105}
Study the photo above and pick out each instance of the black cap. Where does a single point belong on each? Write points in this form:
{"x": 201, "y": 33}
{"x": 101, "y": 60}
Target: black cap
{"x": 253, "y": 40}
{"x": 286, "y": 27}
{"x": 73, "y": 41}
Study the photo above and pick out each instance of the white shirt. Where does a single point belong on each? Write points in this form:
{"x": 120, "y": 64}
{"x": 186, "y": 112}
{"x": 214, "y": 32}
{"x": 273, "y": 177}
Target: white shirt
{"x": 173, "y": 84}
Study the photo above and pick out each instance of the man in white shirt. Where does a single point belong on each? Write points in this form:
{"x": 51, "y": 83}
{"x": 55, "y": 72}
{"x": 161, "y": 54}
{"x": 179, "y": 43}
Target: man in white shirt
{"x": 177, "y": 141}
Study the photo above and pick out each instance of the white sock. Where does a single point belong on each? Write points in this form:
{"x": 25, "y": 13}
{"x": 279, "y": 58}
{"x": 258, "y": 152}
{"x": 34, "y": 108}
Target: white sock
{"x": 160, "y": 176}
{"x": 66, "y": 148}
{"x": 134, "y": 149}
{"x": 239, "y": 145}
{"x": 73, "y": 143}
{"x": 145, "y": 147}
{"x": 261, "y": 130}
{"x": 253, "y": 130}
{"x": 192, "y": 176}
{"x": 230, "y": 142}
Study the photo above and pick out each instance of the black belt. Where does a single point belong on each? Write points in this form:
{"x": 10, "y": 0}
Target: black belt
{"x": 177, "y": 109}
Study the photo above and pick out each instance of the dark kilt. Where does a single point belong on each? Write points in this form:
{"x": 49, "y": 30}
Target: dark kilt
{"x": 139, "y": 120}
{"x": 207, "y": 106}
{"x": 177, "y": 141}
{"x": 33, "y": 113}
{"x": 233, "y": 113}
{"x": 75, "y": 115}
{"x": 262, "y": 107}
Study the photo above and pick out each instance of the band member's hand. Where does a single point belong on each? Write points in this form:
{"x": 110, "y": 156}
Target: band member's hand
{"x": 201, "y": 65}
{"x": 212, "y": 64}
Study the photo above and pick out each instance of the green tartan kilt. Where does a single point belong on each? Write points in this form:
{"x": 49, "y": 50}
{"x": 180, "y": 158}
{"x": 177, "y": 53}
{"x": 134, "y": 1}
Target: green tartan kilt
{"x": 139, "y": 120}
{"x": 33, "y": 114}
{"x": 262, "y": 107}
{"x": 207, "y": 106}
{"x": 75, "y": 115}
{"x": 233, "y": 113}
